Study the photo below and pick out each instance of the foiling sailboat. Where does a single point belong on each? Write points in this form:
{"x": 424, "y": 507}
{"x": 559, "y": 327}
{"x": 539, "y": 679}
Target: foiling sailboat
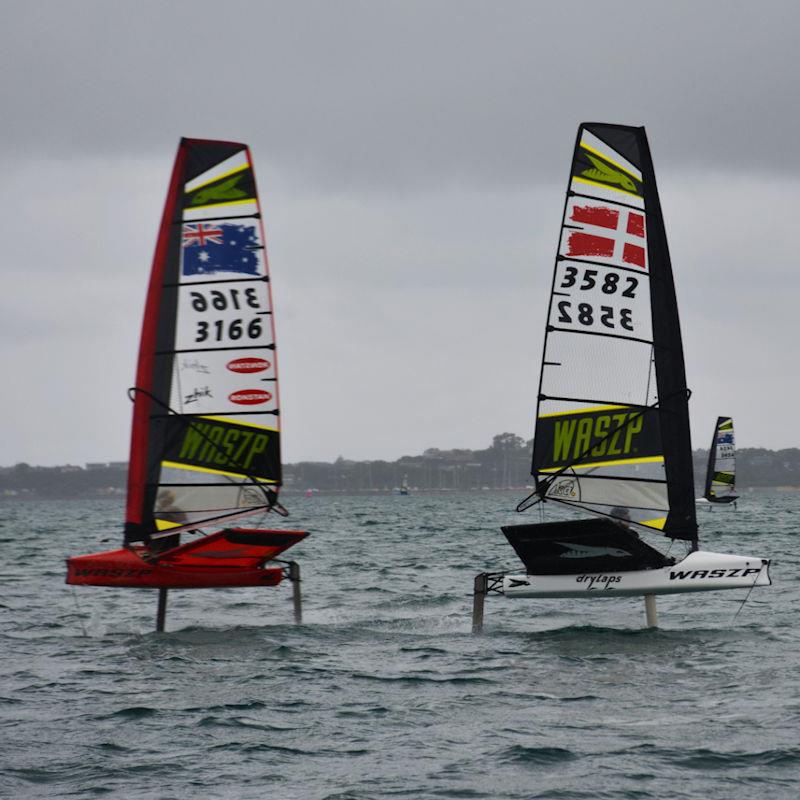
{"x": 612, "y": 426}
{"x": 205, "y": 441}
{"x": 720, "y": 486}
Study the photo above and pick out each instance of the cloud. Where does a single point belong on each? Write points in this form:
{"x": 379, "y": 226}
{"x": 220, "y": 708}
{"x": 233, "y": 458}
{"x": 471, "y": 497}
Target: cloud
{"x": 412, "y": 160}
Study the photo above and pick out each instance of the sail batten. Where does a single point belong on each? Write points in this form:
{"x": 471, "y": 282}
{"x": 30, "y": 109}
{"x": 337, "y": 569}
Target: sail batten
{"x": 206, "y": 434}
{"x": 612, "y": 399}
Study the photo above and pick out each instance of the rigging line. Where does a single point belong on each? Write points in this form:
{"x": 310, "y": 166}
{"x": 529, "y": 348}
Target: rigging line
{"x": 262, "y": 279}
{"x": 80, "y": 613}
{"x": 270, "y": 495}
{"x": 650, "y": 371}
{"x": 573, "y": 193}
{"x": 557, "y": 329}
{"x": 587, "y": 475}
{"x": 611, "y": 516}
{"x": 747, "y": 596}
{"x": 216, "y": 349}
{"x": 604, "y": 403}
{"x": 257, "y": 215}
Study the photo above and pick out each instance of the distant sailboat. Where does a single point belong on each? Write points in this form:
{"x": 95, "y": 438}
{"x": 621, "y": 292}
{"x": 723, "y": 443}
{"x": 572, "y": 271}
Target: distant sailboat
{"x": 720, "y": 486}
{"x": 612, "y": 427}
{"x": 205, "y": 441}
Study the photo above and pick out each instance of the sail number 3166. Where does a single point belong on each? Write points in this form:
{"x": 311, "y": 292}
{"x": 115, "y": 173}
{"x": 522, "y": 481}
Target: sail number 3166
{"x": 233, "y": 329}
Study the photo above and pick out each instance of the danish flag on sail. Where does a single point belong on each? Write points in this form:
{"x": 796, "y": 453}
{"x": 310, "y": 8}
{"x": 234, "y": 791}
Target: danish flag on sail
{"x": 605, "y": 232}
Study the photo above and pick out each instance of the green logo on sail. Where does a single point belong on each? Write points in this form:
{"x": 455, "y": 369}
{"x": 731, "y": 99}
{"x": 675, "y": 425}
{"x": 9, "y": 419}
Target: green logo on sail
{"x": 600, "y": 435}
{"x": 219, "y": 192}
{"x": 223, "y": 446}
{"x": 604, "y": 173}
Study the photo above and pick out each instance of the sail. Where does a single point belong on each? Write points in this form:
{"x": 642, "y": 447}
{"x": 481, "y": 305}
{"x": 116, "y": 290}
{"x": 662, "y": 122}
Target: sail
{"x": 205, "y": 441}
{"x": 612, "y": 426}
{"x": 721, "y": 474}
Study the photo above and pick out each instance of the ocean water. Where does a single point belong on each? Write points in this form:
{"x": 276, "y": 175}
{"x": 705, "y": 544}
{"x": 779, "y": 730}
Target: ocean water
{"x": 383, "y": 692}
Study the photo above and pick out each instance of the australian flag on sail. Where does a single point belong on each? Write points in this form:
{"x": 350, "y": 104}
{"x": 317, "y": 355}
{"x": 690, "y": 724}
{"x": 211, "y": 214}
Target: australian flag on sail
{"x": 213, "y": 247}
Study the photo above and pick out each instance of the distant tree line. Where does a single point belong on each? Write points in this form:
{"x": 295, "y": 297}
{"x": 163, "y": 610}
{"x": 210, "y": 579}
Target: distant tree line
{"x": 503, "y": 465}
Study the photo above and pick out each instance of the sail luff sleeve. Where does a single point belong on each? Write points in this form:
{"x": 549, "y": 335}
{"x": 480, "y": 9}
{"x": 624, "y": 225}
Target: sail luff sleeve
{"x": 673, "y": 410}
{"x": 137, "y": 509}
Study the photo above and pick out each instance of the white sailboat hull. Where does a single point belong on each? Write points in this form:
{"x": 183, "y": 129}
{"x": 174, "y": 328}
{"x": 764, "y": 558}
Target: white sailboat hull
{"x": 700, "y": 571}
{"x": 702, "y": 502}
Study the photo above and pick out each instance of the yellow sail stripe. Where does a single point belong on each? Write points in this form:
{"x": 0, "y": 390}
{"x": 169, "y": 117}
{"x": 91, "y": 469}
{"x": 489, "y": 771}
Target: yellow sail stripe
{"x": 212, "y": 206}
{"x": 655, "y": 523}
{"x": 237, "y": 422}
{"x": 163, "y": 525}
{"x": 219, "y": 177}
{"x": 647, "y": 460}
{"x": 610, "y": 161}
{"x": 192, "y": 468}
{"x": 587, "y": 410}
{"x": 606, "y": 186}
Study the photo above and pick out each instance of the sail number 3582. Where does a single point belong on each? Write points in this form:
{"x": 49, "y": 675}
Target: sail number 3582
{"x": 609, "y": 285}
{"x": 585, "y": 315}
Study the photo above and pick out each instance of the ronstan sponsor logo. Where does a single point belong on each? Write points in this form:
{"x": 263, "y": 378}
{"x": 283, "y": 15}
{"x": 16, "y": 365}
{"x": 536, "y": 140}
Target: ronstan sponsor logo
{"x": 250, "y": 397}
{"x": 248, "y": 365}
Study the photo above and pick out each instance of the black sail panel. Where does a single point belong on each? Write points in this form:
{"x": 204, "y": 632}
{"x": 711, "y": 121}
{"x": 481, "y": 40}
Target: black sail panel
{"x": 612, "y": 432}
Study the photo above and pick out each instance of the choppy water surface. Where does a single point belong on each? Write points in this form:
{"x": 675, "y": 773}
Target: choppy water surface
{"x": 383, "y": 692}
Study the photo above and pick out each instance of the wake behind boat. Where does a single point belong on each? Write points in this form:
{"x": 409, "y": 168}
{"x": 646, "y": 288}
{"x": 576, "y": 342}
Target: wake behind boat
{"x": 720, "y": 488}
{"x": 612, "y": 428}
{"x": 205, "y": 440}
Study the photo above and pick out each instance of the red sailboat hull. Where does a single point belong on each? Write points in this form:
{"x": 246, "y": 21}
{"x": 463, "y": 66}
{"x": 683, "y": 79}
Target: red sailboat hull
{"x": 227, "y": 558}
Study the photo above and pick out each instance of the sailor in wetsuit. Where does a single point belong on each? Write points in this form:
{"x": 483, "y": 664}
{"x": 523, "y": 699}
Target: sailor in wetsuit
{"x": 622, "y": 517}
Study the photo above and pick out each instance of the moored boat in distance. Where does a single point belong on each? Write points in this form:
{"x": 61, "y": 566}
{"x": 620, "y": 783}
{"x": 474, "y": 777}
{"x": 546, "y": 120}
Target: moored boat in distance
{"x": 205, "y": 438}
{"x": 720, "y": 487}
{"x": 612, "y": 427}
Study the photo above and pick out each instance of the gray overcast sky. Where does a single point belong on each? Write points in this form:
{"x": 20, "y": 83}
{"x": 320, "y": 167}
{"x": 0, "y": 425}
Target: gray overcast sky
{"x": 412, "y": 159}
